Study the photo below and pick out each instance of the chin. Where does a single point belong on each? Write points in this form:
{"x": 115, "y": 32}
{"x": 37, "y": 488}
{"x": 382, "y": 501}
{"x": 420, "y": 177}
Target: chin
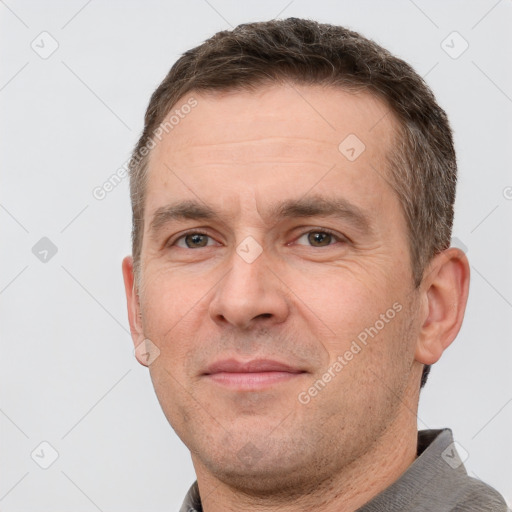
{"x": 277, "y": 469}
{"x": 264, "y": 480}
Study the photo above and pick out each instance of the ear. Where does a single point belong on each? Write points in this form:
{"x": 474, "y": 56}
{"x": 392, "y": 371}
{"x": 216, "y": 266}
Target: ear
{"x": 133, "y": 304}
{"x": 444, "y": 292}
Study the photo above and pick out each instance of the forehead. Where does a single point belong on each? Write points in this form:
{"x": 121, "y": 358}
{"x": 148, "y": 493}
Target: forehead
{"x": 275, "y": 141}
{"x": 307, "y": 113}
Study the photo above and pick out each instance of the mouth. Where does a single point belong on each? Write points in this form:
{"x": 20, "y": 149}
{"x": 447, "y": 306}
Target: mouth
{"x": 251, "y": 375}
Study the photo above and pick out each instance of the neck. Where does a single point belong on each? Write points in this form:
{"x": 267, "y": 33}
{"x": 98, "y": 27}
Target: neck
{"x": 356, "y": 484}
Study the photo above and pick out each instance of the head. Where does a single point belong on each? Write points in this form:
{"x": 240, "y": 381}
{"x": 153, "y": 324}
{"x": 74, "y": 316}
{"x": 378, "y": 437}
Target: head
{"x": 292, "y": 197}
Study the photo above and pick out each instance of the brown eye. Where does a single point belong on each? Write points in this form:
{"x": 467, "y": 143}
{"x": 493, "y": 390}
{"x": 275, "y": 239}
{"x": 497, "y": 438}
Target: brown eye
{"x": 319, "y": 238}
{"x": 193, "y": 241}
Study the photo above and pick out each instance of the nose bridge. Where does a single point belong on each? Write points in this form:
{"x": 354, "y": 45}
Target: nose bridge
{"x": 249, "y": 291}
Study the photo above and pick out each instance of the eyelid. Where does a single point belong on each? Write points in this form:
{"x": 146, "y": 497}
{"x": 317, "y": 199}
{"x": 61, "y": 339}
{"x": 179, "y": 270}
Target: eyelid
{"x": 204, "y": 231}
{"x": 171, "y": 242}
{"x": 339, "y": 236}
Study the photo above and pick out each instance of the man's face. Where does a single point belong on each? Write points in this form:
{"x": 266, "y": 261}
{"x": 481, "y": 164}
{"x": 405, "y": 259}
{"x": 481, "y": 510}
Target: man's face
{"x": 286, "y": 328}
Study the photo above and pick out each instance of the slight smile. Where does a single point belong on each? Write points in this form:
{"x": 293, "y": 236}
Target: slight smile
{"x": 251, "y": 375}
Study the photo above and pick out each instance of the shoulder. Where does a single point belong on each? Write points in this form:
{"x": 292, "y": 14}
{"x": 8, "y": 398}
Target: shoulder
{"x": 472, "y": 495}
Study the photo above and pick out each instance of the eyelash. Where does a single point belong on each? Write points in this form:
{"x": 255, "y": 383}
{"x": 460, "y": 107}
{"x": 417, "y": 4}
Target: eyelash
{"x": 337, "y": 237}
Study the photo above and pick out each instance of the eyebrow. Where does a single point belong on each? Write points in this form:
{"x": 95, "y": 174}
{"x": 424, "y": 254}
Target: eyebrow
{"x": 311, "y": 206}
{"x": 184, "y": 210}
{"x": 318, "y": 206}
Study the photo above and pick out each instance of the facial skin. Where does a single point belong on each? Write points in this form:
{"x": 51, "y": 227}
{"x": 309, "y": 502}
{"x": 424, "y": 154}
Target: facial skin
{"x": 302, "y": 301}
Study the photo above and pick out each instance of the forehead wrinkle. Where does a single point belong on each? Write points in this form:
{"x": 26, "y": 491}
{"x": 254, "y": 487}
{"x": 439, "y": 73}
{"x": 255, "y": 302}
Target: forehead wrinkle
{"x": 265, "y": 139}
{"x": 255, "y": 150}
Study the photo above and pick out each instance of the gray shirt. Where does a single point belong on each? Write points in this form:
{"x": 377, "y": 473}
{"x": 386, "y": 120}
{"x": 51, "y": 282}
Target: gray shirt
{"x": 435, "y": 481}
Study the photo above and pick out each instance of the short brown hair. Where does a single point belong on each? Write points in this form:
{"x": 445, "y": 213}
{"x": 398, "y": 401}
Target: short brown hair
{"x": 422, "y": 164}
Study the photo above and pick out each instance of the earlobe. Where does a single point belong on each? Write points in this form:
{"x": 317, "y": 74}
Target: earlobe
{"x": 444, "y": 295}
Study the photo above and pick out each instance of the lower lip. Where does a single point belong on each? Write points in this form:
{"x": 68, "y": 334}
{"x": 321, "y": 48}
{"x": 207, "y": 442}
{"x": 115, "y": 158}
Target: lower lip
{"x": 253, "y": 380}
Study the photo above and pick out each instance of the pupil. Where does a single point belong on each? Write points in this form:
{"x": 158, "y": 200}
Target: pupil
{"x": 196, "y": 240}
{"x": 318, "y": 238}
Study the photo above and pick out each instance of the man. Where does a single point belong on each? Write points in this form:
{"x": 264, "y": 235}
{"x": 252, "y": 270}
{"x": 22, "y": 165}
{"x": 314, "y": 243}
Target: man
{"x": 292, "y": 278}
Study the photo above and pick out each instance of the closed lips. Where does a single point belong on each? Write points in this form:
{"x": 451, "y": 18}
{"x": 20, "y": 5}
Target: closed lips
{"x": 254, "y": 366}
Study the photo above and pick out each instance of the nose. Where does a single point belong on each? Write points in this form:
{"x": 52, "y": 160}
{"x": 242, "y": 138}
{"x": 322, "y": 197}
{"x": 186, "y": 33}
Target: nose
{"x": 250, "y": 295}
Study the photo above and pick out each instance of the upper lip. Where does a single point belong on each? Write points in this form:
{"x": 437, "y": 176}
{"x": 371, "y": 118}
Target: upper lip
{"x": 256, "y": 365}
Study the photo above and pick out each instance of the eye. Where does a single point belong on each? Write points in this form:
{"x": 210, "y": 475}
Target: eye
{"x": 193, "y": 241}
{"x": 319, "y": 238}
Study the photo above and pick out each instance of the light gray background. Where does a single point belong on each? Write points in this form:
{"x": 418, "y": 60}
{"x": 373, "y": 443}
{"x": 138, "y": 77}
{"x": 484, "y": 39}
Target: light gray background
{"x": 68, "y": 122}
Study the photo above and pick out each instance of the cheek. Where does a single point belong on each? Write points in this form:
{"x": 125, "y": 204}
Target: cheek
{"x": 170, "y": 309}
{"x": 169, "y": 293}
{"x": 345, "y": 302}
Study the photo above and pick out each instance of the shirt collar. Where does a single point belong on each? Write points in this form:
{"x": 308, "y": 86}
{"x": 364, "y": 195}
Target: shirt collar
{"x": 437, "y": 461}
